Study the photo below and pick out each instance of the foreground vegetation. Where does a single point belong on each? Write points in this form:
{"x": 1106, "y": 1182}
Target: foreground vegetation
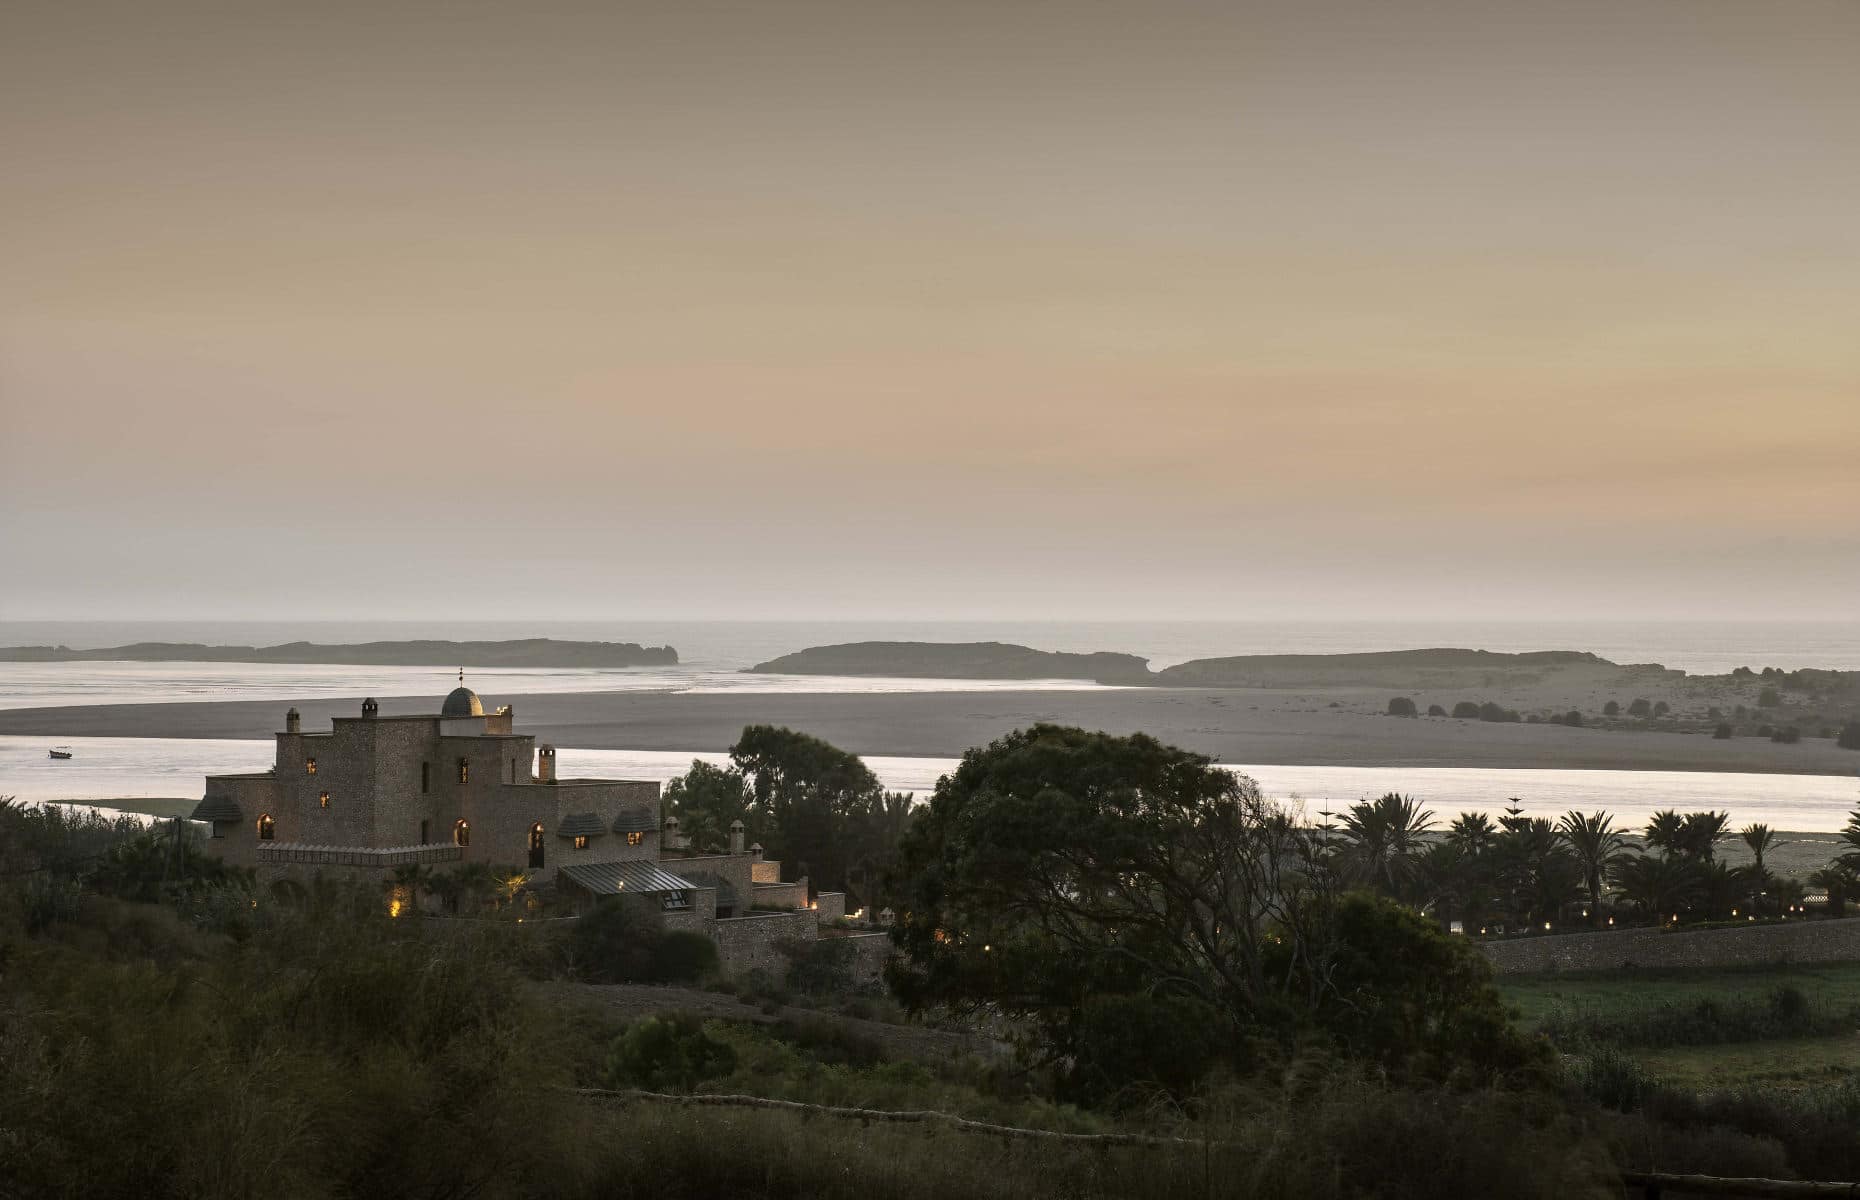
{"x": 1167, "y": 953}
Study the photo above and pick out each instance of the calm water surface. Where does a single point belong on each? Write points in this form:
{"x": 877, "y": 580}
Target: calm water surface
{"x": 106, "y": 768}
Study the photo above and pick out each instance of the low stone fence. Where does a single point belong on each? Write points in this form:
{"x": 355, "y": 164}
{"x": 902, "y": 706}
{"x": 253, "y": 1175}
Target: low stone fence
{"x": 829, "y": 907}
{"x": 1607, "y": 950}
{"x": 788, "y": 896}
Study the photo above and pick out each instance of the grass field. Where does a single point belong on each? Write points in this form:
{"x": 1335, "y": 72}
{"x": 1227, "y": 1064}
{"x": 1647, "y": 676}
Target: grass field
{"x": 1788, "y": 1063}
{"x": 1615, "y": 993}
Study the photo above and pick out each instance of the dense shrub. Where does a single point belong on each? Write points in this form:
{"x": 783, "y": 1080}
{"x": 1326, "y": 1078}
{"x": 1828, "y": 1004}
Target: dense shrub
{"x": 625, "y": 942}
{"x": 1788, "y": 735}
{"x": 1769, "y": 697}
{"x": 1611, "y": 709}
{"x": 1466, "y": 709}
{"x": 1850, "y": 736}
{"x": 1401, "y": 706}
{"x": 1722, "y": 732}
{"x": 670, "y": 1052}
{"x": 1435, "y": 710}
{"x": 1641, "y": 707}
{"x": 1573, "y": 717}
{"x": 1131, "y": 1047}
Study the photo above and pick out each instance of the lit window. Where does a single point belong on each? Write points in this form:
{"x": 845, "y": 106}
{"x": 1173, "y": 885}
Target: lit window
{"x": 464, "y": 770}
{"x": 581, "y": 841}
{"x": 309, "y": 766}
{"x": 675, "y": 900}
{"x": 461, "y": 833}
{"x": 322, "y": 800}
{"x": 634, "y": 839}
{"x": 267, "y": 828}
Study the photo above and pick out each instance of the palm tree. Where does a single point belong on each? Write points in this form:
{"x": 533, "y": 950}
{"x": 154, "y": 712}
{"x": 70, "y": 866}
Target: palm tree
{"x": 1761, "y": 839}
{"x": 1659, "y": 886}
{"x": 1727, "y": 889}
{"x": 1840, "y": 882}
{"x": 1701, "y": 832}
{"x": 416, "y": 879}
{"x": 510, "y": 881}
{"x": 1850, "y": 834}
{"x": 1597, "y": 845}
{"x": 1538, "y": 874}
{"x": 1472, "y": 832}
{"x": 1665, "y": 832}
{"x": 1384, "y": 835}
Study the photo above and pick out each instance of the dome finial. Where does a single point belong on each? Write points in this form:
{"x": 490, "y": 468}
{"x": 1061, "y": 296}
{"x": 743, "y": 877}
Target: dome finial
{"x": 461, "y": 674}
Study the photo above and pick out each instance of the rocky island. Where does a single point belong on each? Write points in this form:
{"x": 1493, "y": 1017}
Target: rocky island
{"x": 958, "y": 660}
{"x": 523, "y": 652}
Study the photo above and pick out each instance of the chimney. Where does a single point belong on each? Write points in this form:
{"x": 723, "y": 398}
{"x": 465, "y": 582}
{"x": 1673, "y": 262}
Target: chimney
{"x": 755, "y": 852}
{"x": 370, "y": 710}
{"x": 292, "y": 722}
{"x": 736, "y": 837}
{"x": 669, "y": 837}
{"x": 545, "y": 764}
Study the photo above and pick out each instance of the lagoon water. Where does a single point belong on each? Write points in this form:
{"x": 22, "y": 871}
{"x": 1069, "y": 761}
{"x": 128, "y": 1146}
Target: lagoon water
{"x": 108, "y": 768}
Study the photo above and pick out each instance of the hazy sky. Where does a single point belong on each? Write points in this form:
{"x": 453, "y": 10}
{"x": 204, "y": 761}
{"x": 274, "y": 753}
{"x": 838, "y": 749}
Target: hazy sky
{"x": 935, "y": 309}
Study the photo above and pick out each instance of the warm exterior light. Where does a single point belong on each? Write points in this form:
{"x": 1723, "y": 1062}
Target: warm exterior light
{"x": 1611, "y": 920}
{"x": 1546, "y": 924}
{"x": 1734, "y": 912}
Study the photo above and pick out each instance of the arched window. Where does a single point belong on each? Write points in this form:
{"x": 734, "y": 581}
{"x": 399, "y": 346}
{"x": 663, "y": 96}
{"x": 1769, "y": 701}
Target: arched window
{"x": 536, "y": 846}
{"x": 581, "y": 841}
{"x": 461, "y": 832}
{"x": 464, "y": 770}
{"x": 267, "y": 828}
{"x": 322, "y": 800}
{"x": 309, "y": 766}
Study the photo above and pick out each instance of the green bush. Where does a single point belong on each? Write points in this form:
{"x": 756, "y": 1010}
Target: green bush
{"x": 667, "y": 1053}
{"x": 1466, "y": 710}
{"x": 1401, "y": 706}
{"x": 683, "y": 956}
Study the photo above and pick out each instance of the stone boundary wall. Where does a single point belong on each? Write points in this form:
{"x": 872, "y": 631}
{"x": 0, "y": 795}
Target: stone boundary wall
{"x": 829, "y": 907}
{"x": 747, "y": 943}
{"x": 870, "y": 952}
{"x": 1759, "y": 945}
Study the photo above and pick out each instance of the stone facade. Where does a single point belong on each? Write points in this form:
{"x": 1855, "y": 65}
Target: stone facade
{"x": 829, "y": 907}
{"x": 1607, "y": 950}
{"x": 378, "y": 793}
{"x": 466, "y": 783}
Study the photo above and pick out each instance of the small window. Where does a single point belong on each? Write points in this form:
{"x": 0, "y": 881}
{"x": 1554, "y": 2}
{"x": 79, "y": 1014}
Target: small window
{"x": 461, "y": 833}
{"x": 322, "y": 800}
{"x": 675, "y": 900}
{"x": 267, "y": 828}
{"x": 634, "y": 839}
{"x": 536, "y": 846}
{"x": 309, "y": 766}
{"x": 426, "y": 777}
{"x": 513, "y": 770}
{"x": 464, "y": 770}
{"x": 581, "y": 841}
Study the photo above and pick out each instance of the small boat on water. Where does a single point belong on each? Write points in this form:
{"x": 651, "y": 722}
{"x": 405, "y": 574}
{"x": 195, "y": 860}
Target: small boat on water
{"x": 61, "y": 752}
